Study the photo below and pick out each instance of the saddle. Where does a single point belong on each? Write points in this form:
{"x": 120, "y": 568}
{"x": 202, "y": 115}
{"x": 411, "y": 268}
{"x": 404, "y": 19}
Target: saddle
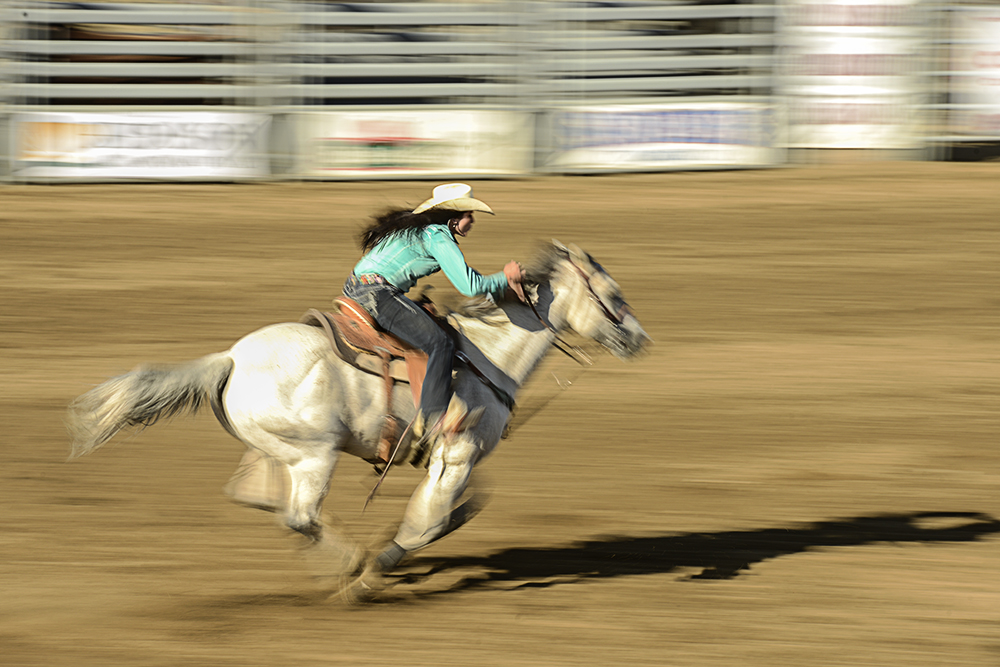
{"x": 359, "y": 341}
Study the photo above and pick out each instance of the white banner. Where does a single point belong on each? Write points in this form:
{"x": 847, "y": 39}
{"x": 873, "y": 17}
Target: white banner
{"x": 141, "y": 145}
{"x": 976, "y": 72}
{"x": 849, "y": 73}
{"x": 643, "y": 137}
{"x": 415, "y": 143}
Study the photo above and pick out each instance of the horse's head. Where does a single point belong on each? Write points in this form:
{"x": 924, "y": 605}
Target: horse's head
{"x": 587, "y": 300}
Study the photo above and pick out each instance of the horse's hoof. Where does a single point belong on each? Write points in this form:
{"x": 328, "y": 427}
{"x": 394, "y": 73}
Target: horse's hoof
{"x": 362, "y": 587}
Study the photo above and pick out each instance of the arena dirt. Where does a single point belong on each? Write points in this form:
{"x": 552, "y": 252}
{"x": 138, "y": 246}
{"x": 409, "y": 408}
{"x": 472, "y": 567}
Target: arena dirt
{"x": 804, "y": 470}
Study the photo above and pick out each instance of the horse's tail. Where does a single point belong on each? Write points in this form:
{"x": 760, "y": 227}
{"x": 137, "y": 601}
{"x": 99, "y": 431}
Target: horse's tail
{"x": 143, "y": 396}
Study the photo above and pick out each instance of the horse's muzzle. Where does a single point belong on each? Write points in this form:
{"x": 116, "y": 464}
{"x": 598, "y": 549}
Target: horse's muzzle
{"x": 626, "y": 339}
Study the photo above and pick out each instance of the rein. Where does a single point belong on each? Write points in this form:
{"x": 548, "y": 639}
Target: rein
{"x": 581, "y": 357}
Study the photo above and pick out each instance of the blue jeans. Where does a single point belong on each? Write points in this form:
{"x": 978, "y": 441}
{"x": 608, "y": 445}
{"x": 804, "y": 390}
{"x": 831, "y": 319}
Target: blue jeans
{"x": 398, "y": 315}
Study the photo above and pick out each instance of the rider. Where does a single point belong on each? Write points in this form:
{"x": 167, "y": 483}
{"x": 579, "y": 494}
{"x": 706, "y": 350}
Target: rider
{"x": 400, "y": 247}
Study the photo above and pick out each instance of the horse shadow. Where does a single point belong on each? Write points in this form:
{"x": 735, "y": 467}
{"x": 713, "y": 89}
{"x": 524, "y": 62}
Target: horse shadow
{"x": 713, "y": 556}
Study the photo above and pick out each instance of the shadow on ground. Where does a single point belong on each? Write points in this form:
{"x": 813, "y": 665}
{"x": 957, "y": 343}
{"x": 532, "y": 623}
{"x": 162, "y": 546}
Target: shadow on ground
{"x": 724, "y": 555}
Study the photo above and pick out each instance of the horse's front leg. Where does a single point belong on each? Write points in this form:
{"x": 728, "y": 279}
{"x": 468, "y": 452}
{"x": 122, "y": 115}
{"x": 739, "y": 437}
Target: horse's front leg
{"x": 430, "y": 515}
{"x": 433, "y": 511}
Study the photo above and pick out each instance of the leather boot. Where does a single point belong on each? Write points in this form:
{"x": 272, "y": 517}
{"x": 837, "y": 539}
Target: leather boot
{"x": 423, "y": 436}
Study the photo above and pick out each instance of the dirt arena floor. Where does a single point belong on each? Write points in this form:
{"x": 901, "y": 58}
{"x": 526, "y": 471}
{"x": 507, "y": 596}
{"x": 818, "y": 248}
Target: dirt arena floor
{"x": 804, "y": 470}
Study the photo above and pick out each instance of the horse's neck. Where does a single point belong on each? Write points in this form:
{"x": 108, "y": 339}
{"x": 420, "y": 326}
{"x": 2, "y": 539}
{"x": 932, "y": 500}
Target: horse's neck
{"x": 516, "y": 346}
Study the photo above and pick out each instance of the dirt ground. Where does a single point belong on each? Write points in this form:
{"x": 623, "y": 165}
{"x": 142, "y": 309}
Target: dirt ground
{"x": 804, "y": 470}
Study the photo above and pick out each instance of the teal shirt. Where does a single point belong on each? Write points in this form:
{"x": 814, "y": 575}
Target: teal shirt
{"x": 403, "y": 259}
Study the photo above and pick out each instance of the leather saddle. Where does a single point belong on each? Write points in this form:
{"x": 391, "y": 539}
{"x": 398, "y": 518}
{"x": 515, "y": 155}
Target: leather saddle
{"x": 359, "y": 341}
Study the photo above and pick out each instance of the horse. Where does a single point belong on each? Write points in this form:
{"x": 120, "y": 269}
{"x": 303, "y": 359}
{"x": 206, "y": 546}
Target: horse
{"x": 295, "y": 404}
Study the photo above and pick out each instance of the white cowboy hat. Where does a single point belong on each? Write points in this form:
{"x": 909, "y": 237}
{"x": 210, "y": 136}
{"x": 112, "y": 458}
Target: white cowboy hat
{"x": 453, "y": 197}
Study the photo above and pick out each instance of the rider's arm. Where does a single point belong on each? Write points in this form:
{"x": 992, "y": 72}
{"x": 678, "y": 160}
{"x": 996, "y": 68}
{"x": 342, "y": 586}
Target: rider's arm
{"x": 466, "y": 279}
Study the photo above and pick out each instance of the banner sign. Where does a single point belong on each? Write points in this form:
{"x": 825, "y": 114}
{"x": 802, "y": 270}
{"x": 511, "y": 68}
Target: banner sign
{"x": 976, "y": 72}
{"x": 142, "y": 145}
{"x": 415, "y": 143}
{"x": 849, "y": 70}
{"x": 662, "y": 136}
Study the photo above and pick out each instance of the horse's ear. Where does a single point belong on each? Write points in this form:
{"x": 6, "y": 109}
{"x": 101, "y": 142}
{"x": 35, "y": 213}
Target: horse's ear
{"x": 577, "y": 253}
{"x": 531, "y": 293}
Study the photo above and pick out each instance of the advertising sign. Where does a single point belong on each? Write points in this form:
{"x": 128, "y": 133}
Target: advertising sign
{"x": 140, "y": 145}
{"x": 849, "y": 72}
{"x": 662, "y": 136}
{"x": 415, "y": 143}
{"x": 976, "y": 72}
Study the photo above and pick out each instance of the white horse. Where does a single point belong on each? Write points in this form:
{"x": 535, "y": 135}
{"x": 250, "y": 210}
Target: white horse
{"x": 282, "y": 392}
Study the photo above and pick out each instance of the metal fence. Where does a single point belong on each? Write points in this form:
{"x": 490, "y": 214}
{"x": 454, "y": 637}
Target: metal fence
{"x": 569, "y": 73}
{"x": 280, "y": 53}
{"x": 963, "y": 65}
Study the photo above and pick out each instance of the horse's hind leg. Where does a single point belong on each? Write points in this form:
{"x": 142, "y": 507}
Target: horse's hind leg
{"x": 332, "y": 553}
{"x": 310, "y": 482}
{"x": 260, "y": 482}
{"x": 309, "y": 466}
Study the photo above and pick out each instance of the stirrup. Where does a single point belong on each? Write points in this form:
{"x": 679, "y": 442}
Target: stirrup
{"x": 422, "y": 440}
{"x": 457, "y": 418}
{"x": 419, "y": 427}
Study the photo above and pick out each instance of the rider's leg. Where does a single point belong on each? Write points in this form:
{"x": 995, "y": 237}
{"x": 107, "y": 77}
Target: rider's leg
{"x": 400, "y": 316}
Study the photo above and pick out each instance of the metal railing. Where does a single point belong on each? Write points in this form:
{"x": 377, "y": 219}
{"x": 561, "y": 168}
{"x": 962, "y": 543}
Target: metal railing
{"x": 131, "y": 54}
{"x": 281, "y": 53}
{"x": 535, "y": 57}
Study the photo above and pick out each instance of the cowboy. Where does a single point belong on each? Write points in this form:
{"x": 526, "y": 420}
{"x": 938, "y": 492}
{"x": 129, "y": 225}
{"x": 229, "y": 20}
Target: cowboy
{"x": 402, "y": 246}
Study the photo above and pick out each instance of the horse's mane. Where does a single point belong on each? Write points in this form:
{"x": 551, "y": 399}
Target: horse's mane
{"x": 546, "y": 259}
{"x": 485, "y": 310}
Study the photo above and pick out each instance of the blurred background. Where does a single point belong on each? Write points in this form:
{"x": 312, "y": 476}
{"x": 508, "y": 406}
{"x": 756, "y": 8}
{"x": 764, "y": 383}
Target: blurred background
{"x": 274, "y": 89}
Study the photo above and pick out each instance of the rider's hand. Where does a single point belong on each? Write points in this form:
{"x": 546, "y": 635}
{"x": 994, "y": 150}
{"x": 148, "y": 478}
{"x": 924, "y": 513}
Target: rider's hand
{"x": 515, "y": 276}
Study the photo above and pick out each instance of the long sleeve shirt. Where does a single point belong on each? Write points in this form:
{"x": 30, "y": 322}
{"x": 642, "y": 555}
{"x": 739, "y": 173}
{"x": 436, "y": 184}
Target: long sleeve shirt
{"x": 403, "y": 259}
